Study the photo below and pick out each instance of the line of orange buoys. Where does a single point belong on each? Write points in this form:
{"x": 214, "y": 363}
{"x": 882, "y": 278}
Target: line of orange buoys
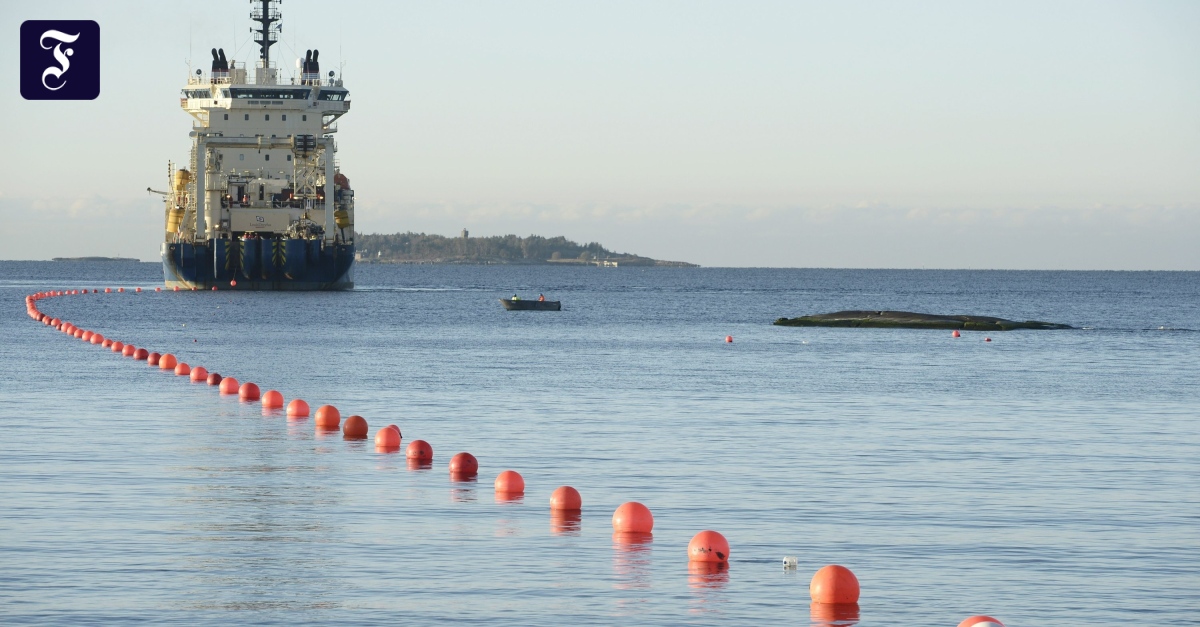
{"x": 834, "y": 589}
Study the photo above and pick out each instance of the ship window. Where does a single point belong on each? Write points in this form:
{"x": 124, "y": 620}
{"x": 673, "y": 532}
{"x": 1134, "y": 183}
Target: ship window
{"x": 285, "y": 117}
{"x": 226, "y": 116}
{"x": 266, "y": 157}
{"x": 271, "y": 94}
{"x": 289, "y": 157}
{"x": 242, "y": 157}
{"x": 247, "y": 116}
{"x": 304, "y": 118}
{"x": 267, "y": 116}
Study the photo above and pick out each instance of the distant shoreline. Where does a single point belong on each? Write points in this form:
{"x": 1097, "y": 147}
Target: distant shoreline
{"x": 423, "y": 248}
{"x": 126, "y": 259}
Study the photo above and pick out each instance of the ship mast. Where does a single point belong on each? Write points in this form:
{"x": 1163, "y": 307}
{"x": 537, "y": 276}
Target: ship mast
{"x": 268, "y": 33}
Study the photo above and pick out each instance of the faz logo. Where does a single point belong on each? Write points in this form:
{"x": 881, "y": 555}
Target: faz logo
{"x": 60, "y": 60}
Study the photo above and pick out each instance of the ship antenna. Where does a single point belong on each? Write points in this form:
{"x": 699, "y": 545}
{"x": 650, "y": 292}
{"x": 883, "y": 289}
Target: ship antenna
{"x": 267, "y": 35}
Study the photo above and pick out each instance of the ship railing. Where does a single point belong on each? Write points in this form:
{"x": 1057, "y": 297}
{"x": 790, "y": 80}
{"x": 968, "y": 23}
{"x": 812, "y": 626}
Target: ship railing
{"x": 227, "y": 79}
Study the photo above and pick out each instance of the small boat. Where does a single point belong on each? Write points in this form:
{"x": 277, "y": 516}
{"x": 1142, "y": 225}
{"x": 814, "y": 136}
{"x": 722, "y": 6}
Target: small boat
{"x": 531, "y": 305}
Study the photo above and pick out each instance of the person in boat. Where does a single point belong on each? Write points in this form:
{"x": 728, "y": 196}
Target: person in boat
{"x": 516, "y": 298}
{"x": 541, "y": 298}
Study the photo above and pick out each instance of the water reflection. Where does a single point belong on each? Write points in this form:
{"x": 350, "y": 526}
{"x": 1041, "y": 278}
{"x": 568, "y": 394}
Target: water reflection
{"x": 506, "y": 528}
{"x": 566, "y": 522}
{"x": 631, "y": 560}
{"x": 462, "y": 477}
{"x": 416, "y": 464}
{"x": 712, "y": 575}
{"x": 296, "y": 429}
{"x": 387, "y": 450}
{"x": 464, "y": 494}
{"x": 510, "y": 497}
{"x": 833, "y": 614}
{"x": 708, "y": 580}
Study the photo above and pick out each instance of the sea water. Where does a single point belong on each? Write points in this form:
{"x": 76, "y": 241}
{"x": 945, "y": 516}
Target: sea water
{"x": 1045, "y": 478}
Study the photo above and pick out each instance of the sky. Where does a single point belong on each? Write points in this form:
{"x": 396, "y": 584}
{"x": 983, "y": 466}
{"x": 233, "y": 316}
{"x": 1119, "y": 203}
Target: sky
{"x": 949, "y": 134}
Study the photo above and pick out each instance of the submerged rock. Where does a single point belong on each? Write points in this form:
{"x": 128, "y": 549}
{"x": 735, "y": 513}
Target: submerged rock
{"x": 910, "y": 320}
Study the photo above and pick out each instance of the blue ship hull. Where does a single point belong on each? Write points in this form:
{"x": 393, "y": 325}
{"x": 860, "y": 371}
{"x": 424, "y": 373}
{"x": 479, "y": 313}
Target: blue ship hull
{"x": 259, "y": 264}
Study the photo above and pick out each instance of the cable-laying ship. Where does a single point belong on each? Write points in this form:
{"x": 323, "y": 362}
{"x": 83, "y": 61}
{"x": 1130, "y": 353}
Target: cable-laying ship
{"x": 262, "y": 205}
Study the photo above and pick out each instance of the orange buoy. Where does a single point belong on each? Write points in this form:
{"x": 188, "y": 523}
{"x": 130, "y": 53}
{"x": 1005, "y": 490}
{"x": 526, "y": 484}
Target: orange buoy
{"x": 297, "y": 408}
{"x": 708, "y": 546}
{"x": 182, "y": 369}
{"x": 108, "y": 290}
{"x": 214, "y": 288}
{"x": 213, "y": 379}
{"x": 397, "y": 430}
{"x": 141, "y": 354}
{"x": 138, "y": 289}
{"x": 834, "y": 584}
{"x": 510, "y": 482}
{"x": 419, "y": 450}
{"x": 87, "y": 336}
{"x": 272, "y": 400}
{"x": 386, "y": 439}
{"x": 107, "y": 343}
{"x": 229, "y": 386}
{"x": 128, "y": 350}
{"x": 199, "y": 373}
{"x": 633, "y": 517}
{"x": 981, "y": 621}
{"x": 176, "y": 288}
{"x": 955, "y": 333}
{"x": 354, "y": 428}
{"x": 233, "y": 283}
{"x": 152, "y": 359}
{"x": 167, "y": 362}
{"x": 158, "y": 289}
{"x": 78, "y": 333}
{"x": 328, "y": 417}
{"x": 97, "y": 338}
{"x": 987, "y": 339}
{"x": 120, "y": 289}
{"x": 464, "y": 464}
{"x": 729, "y": 339}
{"x": 248, "y": 392}
{"x": 565, "y": 498}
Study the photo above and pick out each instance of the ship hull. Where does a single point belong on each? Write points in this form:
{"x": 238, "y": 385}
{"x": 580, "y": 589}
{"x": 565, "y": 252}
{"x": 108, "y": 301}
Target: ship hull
{"x": 259, "y": 264}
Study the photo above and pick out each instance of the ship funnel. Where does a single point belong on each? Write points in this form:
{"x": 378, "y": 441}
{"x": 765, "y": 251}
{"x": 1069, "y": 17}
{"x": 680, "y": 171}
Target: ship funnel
{"x": 310, "y": 74}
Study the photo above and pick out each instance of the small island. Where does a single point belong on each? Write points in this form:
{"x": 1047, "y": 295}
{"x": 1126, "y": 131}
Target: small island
{"x": 497, "y": 249}
{"x": 910, "y": 320}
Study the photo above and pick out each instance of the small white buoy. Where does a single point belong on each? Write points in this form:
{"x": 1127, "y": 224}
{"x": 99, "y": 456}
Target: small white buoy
{"x": 790, "y": 563}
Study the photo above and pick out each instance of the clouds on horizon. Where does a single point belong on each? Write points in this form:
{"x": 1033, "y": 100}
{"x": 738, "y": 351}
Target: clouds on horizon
{"x": 861, "y": 236}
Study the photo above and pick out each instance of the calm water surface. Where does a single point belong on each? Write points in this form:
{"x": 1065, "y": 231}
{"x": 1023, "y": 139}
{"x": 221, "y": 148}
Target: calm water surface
{"x": 1046, "y": 478}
